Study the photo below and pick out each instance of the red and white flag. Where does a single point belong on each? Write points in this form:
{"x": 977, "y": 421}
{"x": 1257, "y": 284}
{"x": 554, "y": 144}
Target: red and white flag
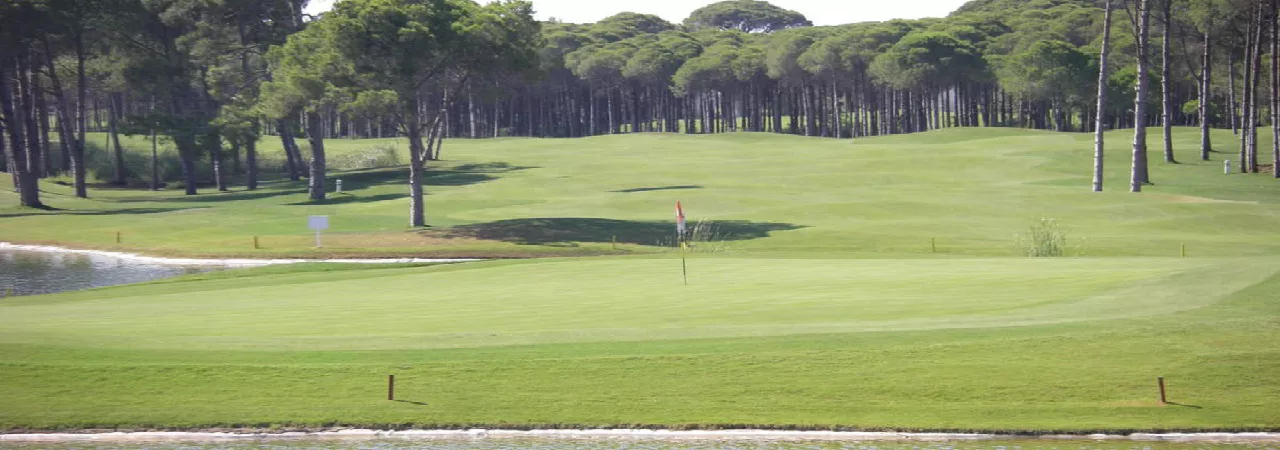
{"x": 680, "y": 229}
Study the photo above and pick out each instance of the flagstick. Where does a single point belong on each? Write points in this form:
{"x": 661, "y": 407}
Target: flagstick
{"x": 684, "y": 265}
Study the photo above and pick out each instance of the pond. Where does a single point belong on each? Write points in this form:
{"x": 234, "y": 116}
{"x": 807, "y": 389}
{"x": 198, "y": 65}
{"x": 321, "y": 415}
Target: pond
{"x": 629, "y": 444}
{"x": 27, "y": 272}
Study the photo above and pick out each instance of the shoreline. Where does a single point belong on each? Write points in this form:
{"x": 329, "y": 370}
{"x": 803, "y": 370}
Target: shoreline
{"x": 637, "y": 434}
{"x": 225, "y": 262}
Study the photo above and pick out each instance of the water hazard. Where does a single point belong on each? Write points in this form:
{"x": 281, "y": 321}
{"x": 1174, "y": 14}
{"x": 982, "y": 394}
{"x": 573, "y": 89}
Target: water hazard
{"x": 629, "y": 444}
{"x": 24, "y": 272}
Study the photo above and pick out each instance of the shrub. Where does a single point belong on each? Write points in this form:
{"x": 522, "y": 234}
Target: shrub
{"x": 1045, "y": 239}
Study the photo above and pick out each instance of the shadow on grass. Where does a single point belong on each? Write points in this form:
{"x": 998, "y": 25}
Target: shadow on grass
{"x": 51, "y": 211}
{"x": 493, "y": 167}
{"x": 460, "y": 176}
{"x": 662, "y": 188}
{"x": 550, "y": 231}
{"x": 412, "y": 402}
{"x": 347, "y": 198}
{"x": 1184, "y": 405}
{"x": 352, "y": 181}
{"x": 215, "y": 197}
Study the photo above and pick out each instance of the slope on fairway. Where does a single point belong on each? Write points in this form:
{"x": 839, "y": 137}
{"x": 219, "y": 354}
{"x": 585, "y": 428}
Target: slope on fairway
{"x": 974, "y": 191}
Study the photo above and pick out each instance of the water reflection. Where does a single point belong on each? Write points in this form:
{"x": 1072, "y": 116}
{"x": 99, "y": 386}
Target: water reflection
{"x": 633, "y": 444}
{"x": 27, "y": 272}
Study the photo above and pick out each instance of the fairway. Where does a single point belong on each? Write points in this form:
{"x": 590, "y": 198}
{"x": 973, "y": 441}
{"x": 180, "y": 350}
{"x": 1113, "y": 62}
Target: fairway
{"x": 970, "y": 191}
{"x": 872, "y": 284}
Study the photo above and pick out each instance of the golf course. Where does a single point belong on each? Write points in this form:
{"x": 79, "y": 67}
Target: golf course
{"x": 881, "y": 283}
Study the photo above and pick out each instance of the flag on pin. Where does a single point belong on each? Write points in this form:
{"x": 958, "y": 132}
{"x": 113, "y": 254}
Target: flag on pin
{"x": 680, "y": 228}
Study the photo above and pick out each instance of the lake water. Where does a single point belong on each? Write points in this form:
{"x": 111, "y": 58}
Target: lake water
{"x": 25, "y": 272}
{"x": 633, "y": 444}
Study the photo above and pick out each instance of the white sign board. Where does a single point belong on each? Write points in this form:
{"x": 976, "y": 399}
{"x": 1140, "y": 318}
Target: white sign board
{"x": 318, "y": 223}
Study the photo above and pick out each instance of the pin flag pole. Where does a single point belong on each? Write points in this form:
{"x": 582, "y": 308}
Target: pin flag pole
{"x": 680, "y": 235}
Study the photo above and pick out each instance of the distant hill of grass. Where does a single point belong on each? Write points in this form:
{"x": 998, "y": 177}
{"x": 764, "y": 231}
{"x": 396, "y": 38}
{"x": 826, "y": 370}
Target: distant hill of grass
{"x": 960, "y": 192}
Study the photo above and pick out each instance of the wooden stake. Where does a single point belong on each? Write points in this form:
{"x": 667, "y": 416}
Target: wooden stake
{"x": 1163, "y": 399}
{"x": 1184, "y": 250}
{"x": 933, "y": 244}
{"x": 391, "y": 387}
{"x": 117, "y": 237}
{"x": 615, "y": 242}
{"x": 255, "y": 243}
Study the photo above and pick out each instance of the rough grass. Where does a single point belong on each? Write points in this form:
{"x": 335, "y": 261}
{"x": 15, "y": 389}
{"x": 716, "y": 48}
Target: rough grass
{"x": 827, "y": 309}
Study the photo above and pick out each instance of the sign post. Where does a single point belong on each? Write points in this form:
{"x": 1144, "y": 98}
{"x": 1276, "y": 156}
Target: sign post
{"x": 681, "y": 231}
{"x": 318, "y": 224}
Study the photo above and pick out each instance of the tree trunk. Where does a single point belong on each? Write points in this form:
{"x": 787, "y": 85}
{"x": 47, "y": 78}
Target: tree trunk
{"x": 1254, "y": 110}
{"x": 1100, "y": 124}
{"x": 1248, "y": 122}
{"x": 1275, "y": 89}
{"x": 213, "y": 142}
{"x": 292, "y": 158}
{"x": 42, "y": 115}
{"x": 315, "y": 136}
{"x": 29, "y": 83}
{"x": 1166, "y": 115}
{"x": 1206, "y": 77}
{"x": 417, "y": 165}
{"x": 1139, "y": 175}
{"x": 472, "y": 130}
{"x": 78, "y": 168}
{"x": 114, "y": 104}
{"x": 1231, "y": 92}
{"x": 189, "y": 170}
{"x": 251, "y": 161}
{"x": 66, "y": 132}
{"x": 15, "y": 123}
{"x": 613, "y": 124}
{"x": 155, "y": 160}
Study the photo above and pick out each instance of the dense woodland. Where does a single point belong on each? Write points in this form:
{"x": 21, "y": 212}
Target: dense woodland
{"x": 213, "y": 78}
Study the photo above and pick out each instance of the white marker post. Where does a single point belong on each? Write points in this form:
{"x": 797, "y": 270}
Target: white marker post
{"x": 1226, "y": 167}
{"x": 318, "y": 223}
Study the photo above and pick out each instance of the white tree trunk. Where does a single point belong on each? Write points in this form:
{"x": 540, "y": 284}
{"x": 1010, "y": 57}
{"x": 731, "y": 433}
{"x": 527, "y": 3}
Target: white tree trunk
{"x": 1139, "y": 175}
{"x": 1166, "y": 115}
{"x": 1100, "y": 120}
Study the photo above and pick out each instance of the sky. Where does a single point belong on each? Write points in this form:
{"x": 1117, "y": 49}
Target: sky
{"x": 821, "y": 12}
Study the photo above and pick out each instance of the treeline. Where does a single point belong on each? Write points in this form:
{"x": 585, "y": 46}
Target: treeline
{"x": 215, "y": 76}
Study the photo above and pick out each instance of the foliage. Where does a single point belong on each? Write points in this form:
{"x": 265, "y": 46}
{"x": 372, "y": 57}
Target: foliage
{"x": 748, "y": 16}
{"x": 1049, "y": 71}
{"x": 927, "y": 60}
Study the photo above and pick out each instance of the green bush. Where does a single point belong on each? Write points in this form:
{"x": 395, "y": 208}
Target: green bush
{"x": 1045, "y": 239}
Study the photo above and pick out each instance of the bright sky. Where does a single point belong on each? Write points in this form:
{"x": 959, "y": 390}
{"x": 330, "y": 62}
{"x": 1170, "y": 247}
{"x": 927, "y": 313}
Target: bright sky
{"x": 821, "y": 12}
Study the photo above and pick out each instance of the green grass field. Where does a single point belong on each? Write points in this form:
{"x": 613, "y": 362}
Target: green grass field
{"x": 823, "y": 304}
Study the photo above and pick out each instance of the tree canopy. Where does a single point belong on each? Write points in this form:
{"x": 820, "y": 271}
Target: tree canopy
{"x": 748, "y": 16}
